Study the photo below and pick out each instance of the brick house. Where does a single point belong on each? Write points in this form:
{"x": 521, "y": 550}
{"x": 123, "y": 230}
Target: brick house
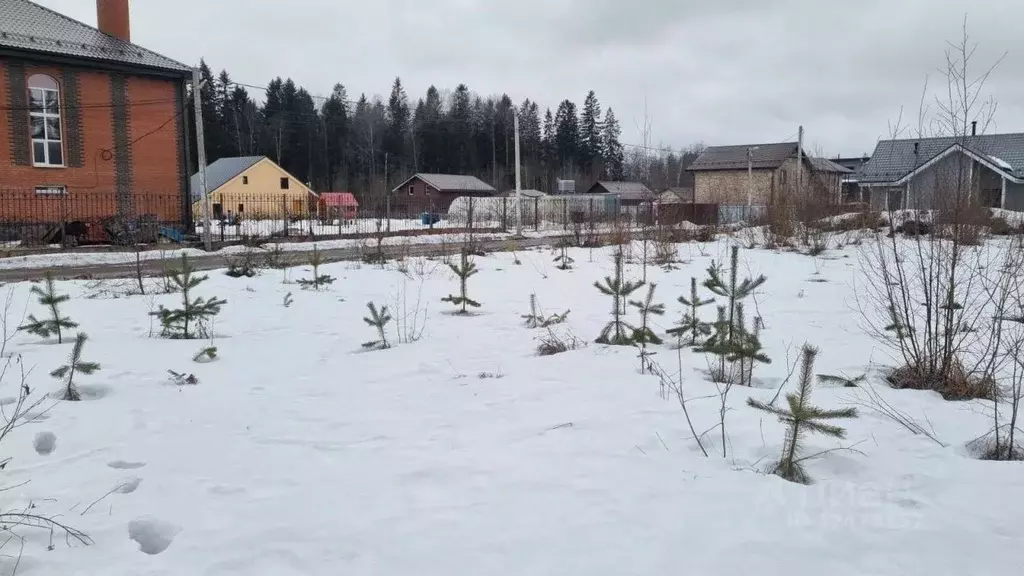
{"x": 92, "y": 126}
{"x": 436, "y": 192}
{"x": 766, "y": 173}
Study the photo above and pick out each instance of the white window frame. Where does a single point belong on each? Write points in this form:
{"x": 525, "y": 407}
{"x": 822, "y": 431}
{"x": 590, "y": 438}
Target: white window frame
{"x": 51, "y": 190}
{"x": 46, "y": 114}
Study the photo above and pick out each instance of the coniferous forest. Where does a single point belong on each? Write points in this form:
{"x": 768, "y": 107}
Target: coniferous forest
{"x": 366, "y": 145}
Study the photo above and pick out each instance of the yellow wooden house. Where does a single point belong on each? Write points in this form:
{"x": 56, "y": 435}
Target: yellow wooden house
{"x": 252, "y": 187}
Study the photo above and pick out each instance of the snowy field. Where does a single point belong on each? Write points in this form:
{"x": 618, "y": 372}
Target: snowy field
{"x": 298, "y": 453}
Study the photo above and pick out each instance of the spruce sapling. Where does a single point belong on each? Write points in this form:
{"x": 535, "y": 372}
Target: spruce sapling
{"x": 75, "y": 365}
{"x": 618, "y": 332}
{"x": 318, "y": 280}
{"x": 802, "y": 417}
{"x": 733, "y": 290}
{"x": 56, "y": 323}
{"x": 644, "y": 335}
{"x": 187, "y": 322}
{"x": 690, "y": 323}
{"x": 463, "y": 270}
{"x": 378, "y": 319}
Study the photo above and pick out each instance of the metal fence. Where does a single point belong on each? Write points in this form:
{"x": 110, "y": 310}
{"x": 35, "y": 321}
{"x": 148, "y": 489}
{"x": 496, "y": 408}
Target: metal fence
{"x": 737, "y": 214}
{"x": 53, "y": 215}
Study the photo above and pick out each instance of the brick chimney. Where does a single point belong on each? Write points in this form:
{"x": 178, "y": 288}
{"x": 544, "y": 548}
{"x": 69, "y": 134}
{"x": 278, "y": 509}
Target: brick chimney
{"x": 113, "y": 18}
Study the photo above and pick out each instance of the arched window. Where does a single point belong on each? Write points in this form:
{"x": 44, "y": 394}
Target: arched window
{"x": 44, "y": 115}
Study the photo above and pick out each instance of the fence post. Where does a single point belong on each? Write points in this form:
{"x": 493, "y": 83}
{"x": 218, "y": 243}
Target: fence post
{"x": 387, "y": 212}
{"x": 469, "y": 219}
{"x": 504, "y": 214}
{"x": 591, "y": 215}
{"x": 565, "y": 214}
{"x": 536, "y": 214}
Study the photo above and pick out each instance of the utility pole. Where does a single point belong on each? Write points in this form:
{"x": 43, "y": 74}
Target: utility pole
{"x": 750, "y": 176}
{"x": 197, "y": 98}
{"x": 800, "y": 163}
{"x": 519, "y": 191}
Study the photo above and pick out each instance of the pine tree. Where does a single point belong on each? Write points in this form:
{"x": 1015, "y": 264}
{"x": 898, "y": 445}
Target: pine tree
{"x": 591, "y": 137}
{"x": 802, "y": 417}
{"x": 647, "y": 308}
{"x": 718, "y": 345}
{"x": 378, "y": 319}
{"x": 75, "y": 365}
{"x": 690, "y": 323}
{"x": 395, "y": 141}
{"x": 618, "y": 332}
{"x": 318, "y": 281}
{"x": 56, "y": 323}
{"x": 614, "y": 155}
{"x": 567, "y": 134}
{"x": 734, "y": 290}
{"x": 187, "y": 322}
{"x": 536, "y": 318}
{"x": 464, "y": 270}
{"x": 746, "y": 348}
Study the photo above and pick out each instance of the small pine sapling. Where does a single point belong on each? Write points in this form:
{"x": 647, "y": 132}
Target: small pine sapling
{"x": 318, "y": 281}
{"x": 842, "y": 380}
{"x": 690, "y": 324}
{"x": 463, "y": 270}
{"x": 74, "y": 366}
{"x": 378, "y": 319}
{"x": 718, "y": 345}
{"x": 644, "y": 335}
{"x": 207, "y": 354}
{"x": 734, "y": 290}
{"x": 56, "y": 323}
{"x": 802, "y": 417}
{"x": 189, "y": 321}
{"x": 537, "y": 319}
{"x": 287, "y": 301}
{"x": 746, "y": 348}
{"x": 563, "y": 259}
{"x": 618, "y": 332}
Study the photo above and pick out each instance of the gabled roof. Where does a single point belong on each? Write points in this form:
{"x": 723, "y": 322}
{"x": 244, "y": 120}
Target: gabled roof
{"x": 29, "y": 27}
{"x": 625, "y": 190}
{"x": 767, "y": 156}
{"x": 676, "y": 194}
{"x": 826, "y": 165}
{"x": 451, "y": 183}
{"x": 893, "y": 160}
{"x": 221, "y": 172}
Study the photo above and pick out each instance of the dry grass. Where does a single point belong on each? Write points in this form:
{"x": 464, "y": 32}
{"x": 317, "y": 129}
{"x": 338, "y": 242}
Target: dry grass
{"x": 959, "y": 385}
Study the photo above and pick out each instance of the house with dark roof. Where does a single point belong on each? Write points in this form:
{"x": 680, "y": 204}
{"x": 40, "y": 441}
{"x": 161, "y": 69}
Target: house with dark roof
{"x": 761, "y": 174}
{"x": 628, "y": 193}
{"x": 92, "y": 126}
{"x": 928, "y": 173}
{"x": 435, "y": 192}
{"x": 252, "y": 187}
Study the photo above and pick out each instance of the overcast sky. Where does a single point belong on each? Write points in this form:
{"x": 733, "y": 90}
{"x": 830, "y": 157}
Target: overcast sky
{"x": 721, "y": 72}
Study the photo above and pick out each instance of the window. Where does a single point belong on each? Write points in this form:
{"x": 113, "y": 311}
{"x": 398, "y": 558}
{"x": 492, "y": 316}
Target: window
{"x": 51, "y": 190}
{"x": 412, "y": 190}
{"x": 284, "y": 184}
{"x": 44, "y": 119}
{"x": 782, "y": 177}
{"x": 241, "y": 208}
{"x": 426, "y": 190}
{"x": 245, "y": 180}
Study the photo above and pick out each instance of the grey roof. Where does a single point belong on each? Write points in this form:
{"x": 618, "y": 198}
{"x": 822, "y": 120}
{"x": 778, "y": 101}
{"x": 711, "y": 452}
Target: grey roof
{"x": 768, "y": 156}
{"x": 625, "y": 190}
{"x": 29, "y": 27}
{"x": 452, "y": 183}
{"x": 853, "y": 163}
{"x": 894, "y": 159}
{"x": 675, "y": 194}
{"x": 221, "y": 171}
{"x": 826, "y": 165}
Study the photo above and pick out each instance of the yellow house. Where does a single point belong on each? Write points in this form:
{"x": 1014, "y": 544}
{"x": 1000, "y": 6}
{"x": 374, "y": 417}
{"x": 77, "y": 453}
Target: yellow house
{"x": 252, "y": 187}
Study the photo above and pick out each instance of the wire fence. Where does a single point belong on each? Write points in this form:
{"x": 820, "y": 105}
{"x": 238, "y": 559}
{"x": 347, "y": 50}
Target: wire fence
{"x": 37, "y": 217}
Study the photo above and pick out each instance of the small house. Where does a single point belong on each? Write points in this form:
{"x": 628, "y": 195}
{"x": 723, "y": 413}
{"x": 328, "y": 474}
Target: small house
{"x": 676, "y": 195}
{"x": 252, "y": 187}
{"x": 628, "y": 193}
{"x": 435, "y": 192}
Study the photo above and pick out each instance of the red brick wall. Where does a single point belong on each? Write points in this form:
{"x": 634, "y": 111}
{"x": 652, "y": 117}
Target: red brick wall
{"x": 155, "y": 170}
{"x": 422, "y": 200}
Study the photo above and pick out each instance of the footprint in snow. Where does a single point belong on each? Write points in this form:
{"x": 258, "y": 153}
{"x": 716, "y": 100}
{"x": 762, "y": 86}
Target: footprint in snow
{"x": 128, "y": 485}
{"x": 152, "y": 534}
{"x": 123, "y": 465}
{"x": 45, "y": 443}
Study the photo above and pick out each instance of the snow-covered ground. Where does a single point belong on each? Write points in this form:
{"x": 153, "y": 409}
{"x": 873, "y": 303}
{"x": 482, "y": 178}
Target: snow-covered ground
{"x": 465, "y": 453}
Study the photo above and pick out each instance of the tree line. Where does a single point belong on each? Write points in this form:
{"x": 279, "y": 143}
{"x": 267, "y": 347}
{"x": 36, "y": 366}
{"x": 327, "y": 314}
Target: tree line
{"x": 369, "y": 145}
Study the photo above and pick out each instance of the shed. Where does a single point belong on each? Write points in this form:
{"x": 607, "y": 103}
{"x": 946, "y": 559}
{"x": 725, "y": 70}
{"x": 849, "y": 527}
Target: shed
{"x": 339, "y": 205}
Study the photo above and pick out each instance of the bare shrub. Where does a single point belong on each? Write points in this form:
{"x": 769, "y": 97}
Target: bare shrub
{"x": 558, "y": 341}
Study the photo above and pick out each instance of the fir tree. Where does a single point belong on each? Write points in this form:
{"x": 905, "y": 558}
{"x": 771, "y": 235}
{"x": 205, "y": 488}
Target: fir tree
{"x": 463, "y": 270}
{"x": 802, "y": 417}
{"x": 187, "y": 322}
{"x": 56, "y": 323}
{"x": 690, "y": 323}
{"x": 734, "y": 290}
{"x": 644, "y": 335}
{"x": 378, "y": 319}
{"x": 591, "y": 137}
{"x": 614, "y": 156}
{"x": 318, "y": 280}
{"x": 75, "y": 365}
{"x": 618, "y": 332}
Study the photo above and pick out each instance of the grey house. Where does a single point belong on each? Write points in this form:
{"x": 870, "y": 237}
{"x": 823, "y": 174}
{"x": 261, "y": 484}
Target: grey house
{"x": 923, "y": 173}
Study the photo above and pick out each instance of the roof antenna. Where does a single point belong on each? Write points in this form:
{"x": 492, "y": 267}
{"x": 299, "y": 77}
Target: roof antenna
{"x": 974, "y": 127}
